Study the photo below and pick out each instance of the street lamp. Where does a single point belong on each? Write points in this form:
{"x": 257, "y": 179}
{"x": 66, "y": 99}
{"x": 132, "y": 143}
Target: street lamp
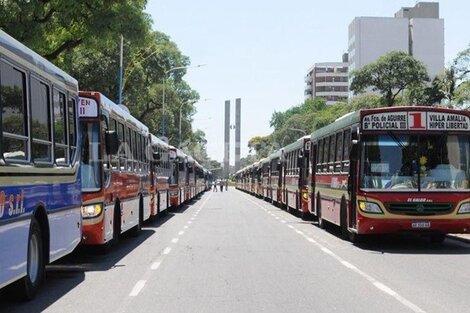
{"x": 177, "y": 68}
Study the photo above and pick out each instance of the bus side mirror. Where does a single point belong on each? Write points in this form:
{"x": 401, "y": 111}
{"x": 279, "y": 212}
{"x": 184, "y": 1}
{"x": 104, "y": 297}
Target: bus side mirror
{"x": 156, "y": 157}
{"x": 278, "y": 166}
{"x": 112, "y": 142}
{"x": 354, "y": 150}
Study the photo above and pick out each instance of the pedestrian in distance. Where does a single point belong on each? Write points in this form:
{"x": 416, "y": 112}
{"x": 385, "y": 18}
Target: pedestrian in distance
{"x": 221, "y": 184}
{"x": 214, "y": 187}
{"x": 226, "y": 185}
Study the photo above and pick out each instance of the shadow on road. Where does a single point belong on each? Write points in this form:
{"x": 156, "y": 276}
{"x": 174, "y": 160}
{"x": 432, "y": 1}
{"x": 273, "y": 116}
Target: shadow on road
{"x": 67, "y": 273}
{"x": 403, "y": 243}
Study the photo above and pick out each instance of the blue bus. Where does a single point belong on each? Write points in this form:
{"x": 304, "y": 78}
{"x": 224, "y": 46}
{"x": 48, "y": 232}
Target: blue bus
{"x": 40, "y": 200}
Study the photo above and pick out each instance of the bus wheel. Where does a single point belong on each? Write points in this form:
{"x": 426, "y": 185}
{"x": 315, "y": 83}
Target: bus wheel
{"x": 321, "y": 222}
{"x": 136, "y": 230}
{"x": 27, "y": 287}
{"x": 116, "y": 223}
{"x": 343, "y": 217}
{"x": 354, "y": 237}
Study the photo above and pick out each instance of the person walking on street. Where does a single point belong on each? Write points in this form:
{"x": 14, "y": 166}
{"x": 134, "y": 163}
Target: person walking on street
{"x": 221, "y": 184}
{"x": 214, "y": 187}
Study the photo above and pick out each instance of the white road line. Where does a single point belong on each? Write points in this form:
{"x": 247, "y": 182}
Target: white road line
{"x": 155, "y": 265}
{"x": 283, "y": 221}
{"x": 181, "y": 233}
{"x": 380, "y": 286}
{"x": 185, "y": 226}
{"x": 137, "y": 288}
{"x": 189, "y": 222}
{"x": 299, "y": 232}
{"x": 175, "y": 240}
{"x": 167, "y": 250}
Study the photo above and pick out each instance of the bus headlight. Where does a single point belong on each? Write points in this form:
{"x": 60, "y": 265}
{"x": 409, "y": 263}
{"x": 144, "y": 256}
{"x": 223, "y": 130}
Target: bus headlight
{"x": 91, "y": 210}
{"x": 370, "y": 207}
{"x": 464, "y": 208}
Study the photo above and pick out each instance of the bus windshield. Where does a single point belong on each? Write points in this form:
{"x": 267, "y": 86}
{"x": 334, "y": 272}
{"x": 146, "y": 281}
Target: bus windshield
{"x": 91, "y": 165}
{"x": 415, "y": 163}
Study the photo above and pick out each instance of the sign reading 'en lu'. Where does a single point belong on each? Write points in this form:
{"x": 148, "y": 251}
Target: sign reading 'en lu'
{"x": 87, "y": 107}
{"x": 416, "y": 121}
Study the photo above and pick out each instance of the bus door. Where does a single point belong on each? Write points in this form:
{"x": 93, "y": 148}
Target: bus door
{"x": 352, "y": 176}
{"x": 313, "y": 169}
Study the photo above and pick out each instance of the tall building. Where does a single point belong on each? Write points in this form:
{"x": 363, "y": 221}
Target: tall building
{"x": 328, "y": 80}
{"x": 417, "y": 30}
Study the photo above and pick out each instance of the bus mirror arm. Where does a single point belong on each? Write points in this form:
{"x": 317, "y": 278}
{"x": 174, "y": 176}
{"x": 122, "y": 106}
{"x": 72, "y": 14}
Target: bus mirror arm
{"x": 354, "y": 149}
{"x": 112, "y": 142}
{"x": 156, "y": 157}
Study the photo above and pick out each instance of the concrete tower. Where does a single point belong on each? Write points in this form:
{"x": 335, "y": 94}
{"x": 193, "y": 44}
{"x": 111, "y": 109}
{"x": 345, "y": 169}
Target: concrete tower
{"x": 227, "y": 139}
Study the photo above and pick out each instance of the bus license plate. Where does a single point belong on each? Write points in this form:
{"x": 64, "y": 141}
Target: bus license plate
{"x": 421, "y": 225}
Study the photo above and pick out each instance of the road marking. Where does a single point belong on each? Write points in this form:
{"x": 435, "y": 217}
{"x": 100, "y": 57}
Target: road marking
{"x": 299, "y": 232}
{"x": 167, "y": 250}
{"x": 174, "y": 240}
{"x": 181, "y": 233}
{"x": 283, "y": 221}
{"x": 190, "y": 222}
{"x": 380, "y": 286}
{"x": 155, "y": 265}
{"x": 137, "y": 288}
{"x": 185, "y": 226}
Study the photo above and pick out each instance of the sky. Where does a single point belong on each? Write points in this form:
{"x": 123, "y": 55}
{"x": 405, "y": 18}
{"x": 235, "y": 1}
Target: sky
{"x": 260, "y": 51}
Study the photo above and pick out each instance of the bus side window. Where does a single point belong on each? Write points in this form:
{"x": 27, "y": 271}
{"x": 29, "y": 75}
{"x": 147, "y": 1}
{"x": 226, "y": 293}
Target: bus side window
{"x": 122, "y": 149}
{"x": 15, "y": 139}
{"x": 72, "y": 114}
{"x": 319, "y": 155}
{"x": 114, "y": 158}
{"x": 331, "y": 153}
{"x": 339, "y": 152}
{"x": 106, "y": 163}
{"x": 40, "y": 121}
{"x": 129, "y": 148}
{"x": 325, "y": 154}
{"x": 60, "y": 128}
{"x": 347, "y": 144}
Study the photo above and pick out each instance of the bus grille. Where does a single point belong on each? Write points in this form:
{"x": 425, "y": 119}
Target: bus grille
{"x": 419, "y": 208}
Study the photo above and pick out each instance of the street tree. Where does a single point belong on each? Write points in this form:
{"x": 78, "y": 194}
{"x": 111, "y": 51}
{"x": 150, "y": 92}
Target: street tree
{"x": 389, "y": 75}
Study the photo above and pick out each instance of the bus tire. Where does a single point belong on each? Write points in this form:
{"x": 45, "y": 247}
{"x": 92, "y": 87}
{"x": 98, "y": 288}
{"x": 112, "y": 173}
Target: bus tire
{"x": 321, "y": 222}
{"x": 27, "y": 287}
{"x": 137, "y": 229}
{"x": 343, "y": 218}
{"x": 116, "y": 223}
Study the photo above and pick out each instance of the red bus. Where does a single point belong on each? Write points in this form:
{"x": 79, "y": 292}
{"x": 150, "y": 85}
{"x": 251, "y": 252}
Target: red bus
{"x": 394, "y": 169}
{"x": 178, "y": 185}
{"x": 116, "y": 183}
{"x": 296, "y": 177}
{"x": 160, "y": 175}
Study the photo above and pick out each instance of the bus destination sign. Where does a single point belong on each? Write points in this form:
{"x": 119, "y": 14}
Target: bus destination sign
{"x": 87, "y": 107}
{"x": 416, "y": 121}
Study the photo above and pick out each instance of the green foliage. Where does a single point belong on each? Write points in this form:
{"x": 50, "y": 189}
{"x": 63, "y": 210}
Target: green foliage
{"x": 389, "y": 75}
{"x": 83, "y": 38}
{"x": 263, "y": 146}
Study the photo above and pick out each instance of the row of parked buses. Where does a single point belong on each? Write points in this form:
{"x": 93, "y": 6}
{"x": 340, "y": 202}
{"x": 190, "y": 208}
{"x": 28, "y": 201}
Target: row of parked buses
{"x": 375, "y": 171}
{"x": 74, "y": 168}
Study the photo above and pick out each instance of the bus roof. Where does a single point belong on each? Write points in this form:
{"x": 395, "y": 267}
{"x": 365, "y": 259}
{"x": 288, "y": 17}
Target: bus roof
{"x": 340, "y": 123}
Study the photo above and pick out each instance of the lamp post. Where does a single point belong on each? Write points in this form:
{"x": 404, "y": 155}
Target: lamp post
{"x": 176, "y": 68}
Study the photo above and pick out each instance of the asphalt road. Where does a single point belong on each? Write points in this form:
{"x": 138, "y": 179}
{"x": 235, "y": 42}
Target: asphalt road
{"x": 231, "y": 252}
